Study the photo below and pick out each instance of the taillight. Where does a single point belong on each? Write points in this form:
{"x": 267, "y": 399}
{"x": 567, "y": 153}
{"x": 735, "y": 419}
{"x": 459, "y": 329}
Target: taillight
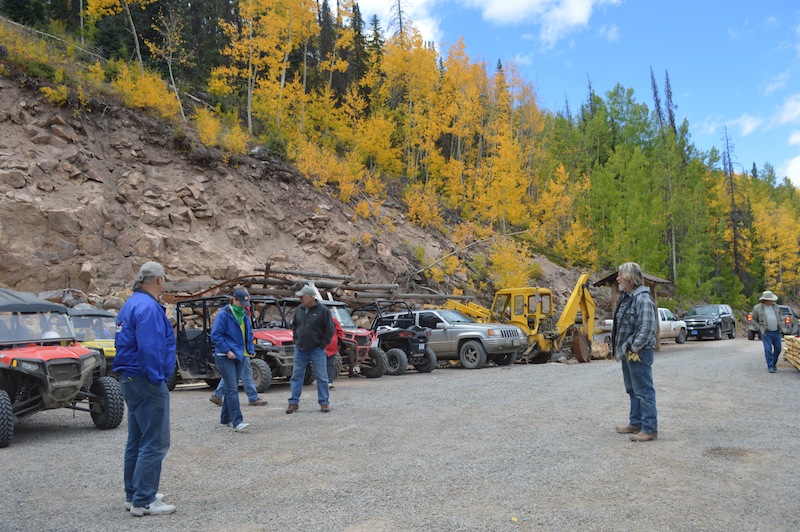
{"x": 406, "y": 334}
{"x": 787, "y": 320}
{"x": 749, "y": 318}
{"x": 428, "y": 333}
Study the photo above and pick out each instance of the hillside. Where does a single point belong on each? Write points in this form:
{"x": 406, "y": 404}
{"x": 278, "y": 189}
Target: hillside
{"x": 86, "y": 198}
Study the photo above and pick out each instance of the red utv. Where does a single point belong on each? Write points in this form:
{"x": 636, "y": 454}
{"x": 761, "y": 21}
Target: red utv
{"x": 42, "y": 367}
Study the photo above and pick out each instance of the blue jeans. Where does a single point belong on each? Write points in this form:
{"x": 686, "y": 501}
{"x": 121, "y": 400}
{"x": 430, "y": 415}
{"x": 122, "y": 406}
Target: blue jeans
{"x": 638, "y": 377}
{"x": 772, "y": 347}
{"x": 231, "y": 371}
{"x": 301, "y": 360}
{"x": 331, "y": 367}
{"x": 148, "y": 437}
{"x": 247, "y": 382}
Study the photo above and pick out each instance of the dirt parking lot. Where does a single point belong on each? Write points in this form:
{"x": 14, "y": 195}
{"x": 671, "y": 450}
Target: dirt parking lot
{"x": 502, "y": 448}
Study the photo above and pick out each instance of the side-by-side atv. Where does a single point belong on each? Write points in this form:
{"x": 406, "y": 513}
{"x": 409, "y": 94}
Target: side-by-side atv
{"x": 274, "y": 346}
{"x": 95, "y": 328}
{"x": 403, "y": 341}
{"x": 42, "y": 367}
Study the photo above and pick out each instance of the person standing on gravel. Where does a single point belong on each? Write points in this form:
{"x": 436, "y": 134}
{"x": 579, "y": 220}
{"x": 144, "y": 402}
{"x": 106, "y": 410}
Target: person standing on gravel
{"x": 767, "y": 318}
{"x": 313, "y": 330}
{"x": 633, "y": 340}
{"x": 145, "y": 358}
{"x": 330, "y": 352}
{"x": 232, "y": 335}
{"x": 247, "y": 372}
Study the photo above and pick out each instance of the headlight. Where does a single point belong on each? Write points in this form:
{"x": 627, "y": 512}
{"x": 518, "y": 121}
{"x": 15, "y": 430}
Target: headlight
{"x": 265, "y": 343}
{"x": 28, "y": 366}
{"x": 494, "y": 332}
{"x": 89, "y": 362}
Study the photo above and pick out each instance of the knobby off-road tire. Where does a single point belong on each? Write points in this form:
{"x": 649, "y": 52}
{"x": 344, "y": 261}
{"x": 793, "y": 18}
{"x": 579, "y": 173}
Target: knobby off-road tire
{"x": 108, "y": 408}
{"x": 262, "y": 374}
{"x": 172, "y": 381}
{"x": 6, "y": 420}
{"x": 376, "y": 364}
{"x": 396, "y": 361}
{"x": 338, "y": 365}
{"x": 681, "y": 337}
{"x": 309, "y": 377}
{"x": 505, "y": 359}
{"x": 751, "y": 335}
{"x": 472, "y": 355}
{"x": 430, "y": 362}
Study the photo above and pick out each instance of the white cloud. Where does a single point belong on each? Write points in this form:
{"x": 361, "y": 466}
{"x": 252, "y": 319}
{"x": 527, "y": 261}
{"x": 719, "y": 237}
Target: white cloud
{"x": 776, "y": 83}
{"x": 746, "y": 123}
{"x": 789, "y": 112}
{"x": 791, "y": 169}
{"x": 609, "y": 33}
{"x": 794, "y": 138}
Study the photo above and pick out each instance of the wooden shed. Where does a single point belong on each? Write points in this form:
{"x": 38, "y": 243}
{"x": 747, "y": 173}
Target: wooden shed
{"x": 651, "y": 281}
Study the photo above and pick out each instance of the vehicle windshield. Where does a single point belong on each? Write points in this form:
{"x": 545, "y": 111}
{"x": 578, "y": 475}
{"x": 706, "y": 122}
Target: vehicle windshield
{"x": 88, "y": 328}
{"x": 20, "y": 327}
{"x": 344, "y": 317}
{"x": 702, "y": 311}
{"x": 454, "y": 316}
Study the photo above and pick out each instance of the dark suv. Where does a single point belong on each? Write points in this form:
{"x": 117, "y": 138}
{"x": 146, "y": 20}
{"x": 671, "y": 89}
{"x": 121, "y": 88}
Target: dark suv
{"x": 710, "y": 321}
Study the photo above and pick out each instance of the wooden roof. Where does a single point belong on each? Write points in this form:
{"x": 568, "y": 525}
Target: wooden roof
{"x": 611, "y": 278}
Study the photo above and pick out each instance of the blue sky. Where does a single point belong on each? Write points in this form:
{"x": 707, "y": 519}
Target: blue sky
{"x": 733, "y": 63}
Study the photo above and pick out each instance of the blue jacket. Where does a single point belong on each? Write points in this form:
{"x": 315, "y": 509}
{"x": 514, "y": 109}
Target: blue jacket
{"x": 227, "y": 335}
{"x": 145, "y": 340}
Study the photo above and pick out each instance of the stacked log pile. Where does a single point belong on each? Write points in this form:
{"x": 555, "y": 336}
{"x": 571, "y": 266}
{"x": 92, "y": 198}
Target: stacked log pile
{"x": 791, "y": 351}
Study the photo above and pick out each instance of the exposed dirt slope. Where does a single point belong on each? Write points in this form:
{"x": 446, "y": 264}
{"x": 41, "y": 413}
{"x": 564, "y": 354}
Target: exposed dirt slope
{"x": 86, "y": 198}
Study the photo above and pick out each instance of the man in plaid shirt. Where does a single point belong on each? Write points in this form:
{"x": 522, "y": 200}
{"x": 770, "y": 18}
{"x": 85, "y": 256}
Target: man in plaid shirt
{"x": 633, "y": 340}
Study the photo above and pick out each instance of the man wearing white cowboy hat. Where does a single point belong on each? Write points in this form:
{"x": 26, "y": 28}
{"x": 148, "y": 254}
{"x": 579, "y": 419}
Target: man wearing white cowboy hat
{"x": 767, "y": 318}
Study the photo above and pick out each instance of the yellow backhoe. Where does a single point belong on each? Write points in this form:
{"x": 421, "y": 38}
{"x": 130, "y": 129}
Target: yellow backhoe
{"x": 532, "y": 310}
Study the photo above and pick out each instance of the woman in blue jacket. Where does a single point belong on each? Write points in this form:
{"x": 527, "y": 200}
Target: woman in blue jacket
{"x": 232, "y": 335}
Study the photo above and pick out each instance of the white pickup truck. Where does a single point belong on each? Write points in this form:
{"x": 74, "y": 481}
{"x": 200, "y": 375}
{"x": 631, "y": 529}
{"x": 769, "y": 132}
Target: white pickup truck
{"x": 671, "y": 327}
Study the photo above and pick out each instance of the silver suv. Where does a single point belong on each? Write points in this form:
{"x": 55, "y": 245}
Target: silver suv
{"x": 456, "y": 337}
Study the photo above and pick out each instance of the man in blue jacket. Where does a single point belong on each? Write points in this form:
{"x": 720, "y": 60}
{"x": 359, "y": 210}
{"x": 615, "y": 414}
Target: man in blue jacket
{"x": 232, "y": 335}
{"x": 145, "y": 358}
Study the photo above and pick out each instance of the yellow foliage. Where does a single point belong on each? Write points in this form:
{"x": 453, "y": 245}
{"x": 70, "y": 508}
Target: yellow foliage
{"x": 510, "y": 264}
{"x": 208, "y": 126}
{"x": 577, "y": 246}
{"x": 58, "y": 94}
{"x": 436, "y": 274}
{"x": 467, "y": 232}
{"x": 146, "y": 90}
{"x": 234, "y": 140}
{"x": 366, "y": 238}
{"x": 362, "y": 210}
{"x": 423, "y": 206}
{"x": 323, "y": 166}
{"x": 452, "y": 265}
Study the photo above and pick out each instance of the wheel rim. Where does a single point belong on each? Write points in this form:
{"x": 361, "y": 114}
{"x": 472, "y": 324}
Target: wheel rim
{"x": 471, "y": 355}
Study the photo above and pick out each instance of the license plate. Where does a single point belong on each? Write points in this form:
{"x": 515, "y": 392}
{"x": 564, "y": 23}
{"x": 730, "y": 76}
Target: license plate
{"x": 422, "y": 347}
{"x": 694, "y": 333}
{"x": 515, "y": 343}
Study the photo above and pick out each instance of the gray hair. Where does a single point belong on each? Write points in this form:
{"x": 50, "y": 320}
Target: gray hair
{"x": 150, "y": 271}
{"x": 630, "y": 271}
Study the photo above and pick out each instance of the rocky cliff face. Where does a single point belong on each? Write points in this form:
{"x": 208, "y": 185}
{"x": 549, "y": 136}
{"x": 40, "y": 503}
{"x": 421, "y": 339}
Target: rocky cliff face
{"x": 86, "y": 198}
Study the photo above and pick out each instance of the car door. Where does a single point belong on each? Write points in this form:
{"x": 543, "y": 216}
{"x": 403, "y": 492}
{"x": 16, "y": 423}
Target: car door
{"x": 728, "y": 323}
{"x": 441, "y": 340}
{"x": 668, "y": 323}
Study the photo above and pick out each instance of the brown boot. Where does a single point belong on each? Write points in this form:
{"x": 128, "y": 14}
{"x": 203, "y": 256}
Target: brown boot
{"x": 216, "y": 400}
{"x": 643, "y": 436}
{"x": 627, "y": 429}
{"x": 257, "y": 402}
{"x": 292, "y": 407}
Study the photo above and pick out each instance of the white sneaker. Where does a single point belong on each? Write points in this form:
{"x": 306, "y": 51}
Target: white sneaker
{"x": 129, "y": 504}
{"x": 154, "y": 508}
{"x": 241, "y": 427}
{"x": 330, "y": 386}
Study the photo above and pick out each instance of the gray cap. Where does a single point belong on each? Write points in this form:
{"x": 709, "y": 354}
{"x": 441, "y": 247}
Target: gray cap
{"x": 768, "y": 296}
{"x": 150, "y": 270}
{"x": 307, "y": 290}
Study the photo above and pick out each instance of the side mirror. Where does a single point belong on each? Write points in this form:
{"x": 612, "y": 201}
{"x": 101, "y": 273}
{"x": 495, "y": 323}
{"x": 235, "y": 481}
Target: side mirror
{"x": 441, "y": 325}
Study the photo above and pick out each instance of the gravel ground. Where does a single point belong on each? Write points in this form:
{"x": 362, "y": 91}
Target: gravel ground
{"x": 502, "y": 448}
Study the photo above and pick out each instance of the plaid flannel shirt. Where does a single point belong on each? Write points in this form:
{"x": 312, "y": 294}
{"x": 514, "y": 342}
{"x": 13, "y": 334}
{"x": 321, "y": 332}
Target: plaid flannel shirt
{"x": 635, "y": 324}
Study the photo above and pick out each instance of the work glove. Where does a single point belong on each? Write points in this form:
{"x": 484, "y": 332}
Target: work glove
{"x": 633, "y": 357}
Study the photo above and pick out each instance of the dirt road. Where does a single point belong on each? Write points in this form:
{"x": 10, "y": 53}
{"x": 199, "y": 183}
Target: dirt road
{"x": 502, "y": 448}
